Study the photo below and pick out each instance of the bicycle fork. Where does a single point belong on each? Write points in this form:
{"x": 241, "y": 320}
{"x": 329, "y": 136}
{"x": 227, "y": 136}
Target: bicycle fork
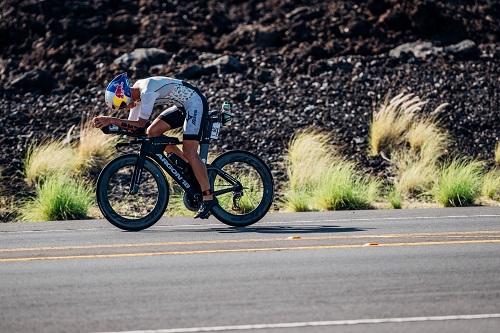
{"x": 136, "y": 176}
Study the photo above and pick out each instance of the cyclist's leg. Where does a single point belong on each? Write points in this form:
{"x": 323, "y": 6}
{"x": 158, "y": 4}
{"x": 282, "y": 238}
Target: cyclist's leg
{"x": 169, "y": 119}
{"x": 190, "y": 149}
{"x": 195, "y": 109}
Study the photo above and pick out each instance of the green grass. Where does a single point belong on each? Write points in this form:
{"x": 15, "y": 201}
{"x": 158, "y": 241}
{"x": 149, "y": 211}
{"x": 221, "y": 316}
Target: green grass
{"x": 491, "y": 184}
{"x": 298, "y": 201}
{"x": 343, "y": 188}
{"x": 321, "y": 180}
{"x": 459, "y": 183}
{"x": 395, "y": 199}
{"x": 309, "y": 156}
{"x": 59, "y": 197}
{"x": 176, "y": 207}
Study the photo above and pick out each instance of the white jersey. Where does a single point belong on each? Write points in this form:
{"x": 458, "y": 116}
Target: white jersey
{"x": 159, "y": 90}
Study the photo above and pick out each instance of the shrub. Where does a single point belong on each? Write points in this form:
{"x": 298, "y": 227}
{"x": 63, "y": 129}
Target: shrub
{"x": 459, "y": 183}
{"x": 414, "y": 175}
{"x": 427, "y": 140}
{"x": 491, "y": 184}
{"x": 299, "y": 201}
{"x": 309, "y": 158}
{"x": 391, "y": 121}
{"x": 94, "y": 149}
{"x": 310, "y": 154}
{"x": 343, "y": 187}
{"x": 59, "y": 197}
{"x": 395, "y": 199}
{"x": 50, "y": 157}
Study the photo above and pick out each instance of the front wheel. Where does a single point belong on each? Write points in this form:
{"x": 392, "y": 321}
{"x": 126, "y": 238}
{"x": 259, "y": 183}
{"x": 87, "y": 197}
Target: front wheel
{"x": 244, "y": 188}
{"x": 132, "y": 212}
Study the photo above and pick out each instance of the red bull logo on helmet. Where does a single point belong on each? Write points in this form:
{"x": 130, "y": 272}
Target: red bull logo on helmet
{"x": 118, "y": 92}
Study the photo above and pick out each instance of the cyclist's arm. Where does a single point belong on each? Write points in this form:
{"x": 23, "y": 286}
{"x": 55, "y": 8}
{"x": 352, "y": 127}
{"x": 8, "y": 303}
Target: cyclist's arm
{"x": 131, "y": 125}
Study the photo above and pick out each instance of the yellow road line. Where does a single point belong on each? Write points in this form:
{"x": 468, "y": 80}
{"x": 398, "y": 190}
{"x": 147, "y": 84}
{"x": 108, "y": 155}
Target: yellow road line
{"x": 266, "y": 249}
{"x": 463, "y": 234}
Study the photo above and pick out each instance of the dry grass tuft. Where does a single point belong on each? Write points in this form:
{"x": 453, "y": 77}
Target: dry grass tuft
{"x": 491, "y": 184}
{"x": 310, "y": 154}
{"x": 391, "y": 121}
{"x": 94, "y": 149}
{"x": 48, "y": 158}
{"x": 427, "y": 139}
{"x": 414, "y": 175}
{"x": 320, "y": 179}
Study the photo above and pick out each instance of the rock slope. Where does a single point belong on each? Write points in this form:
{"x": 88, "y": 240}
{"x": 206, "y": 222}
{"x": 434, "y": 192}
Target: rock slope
{"x": 285, "y": 64}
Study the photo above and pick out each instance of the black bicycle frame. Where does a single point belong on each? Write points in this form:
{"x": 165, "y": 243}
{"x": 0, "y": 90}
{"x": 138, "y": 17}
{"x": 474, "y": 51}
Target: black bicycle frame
{"x": 154, "y": 147}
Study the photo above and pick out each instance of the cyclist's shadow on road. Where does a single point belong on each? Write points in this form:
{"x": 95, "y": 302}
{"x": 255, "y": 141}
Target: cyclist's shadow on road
{"x": 288, "y": 229}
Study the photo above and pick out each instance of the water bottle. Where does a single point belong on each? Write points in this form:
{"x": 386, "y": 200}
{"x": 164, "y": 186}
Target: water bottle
{"x": 226, "y": 116}
{"x": 226, "y": 106}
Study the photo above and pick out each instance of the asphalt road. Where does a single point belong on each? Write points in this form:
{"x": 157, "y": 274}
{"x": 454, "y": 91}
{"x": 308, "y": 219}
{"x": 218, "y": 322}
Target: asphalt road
{"x": 436, "y": 270}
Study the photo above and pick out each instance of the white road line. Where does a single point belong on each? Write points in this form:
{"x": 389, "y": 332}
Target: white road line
{"x": 316, "y": 323}
{"x": 264, "y": 223}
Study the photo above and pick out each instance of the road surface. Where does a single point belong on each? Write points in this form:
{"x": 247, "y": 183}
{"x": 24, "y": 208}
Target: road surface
{"x": 436, "y": 270}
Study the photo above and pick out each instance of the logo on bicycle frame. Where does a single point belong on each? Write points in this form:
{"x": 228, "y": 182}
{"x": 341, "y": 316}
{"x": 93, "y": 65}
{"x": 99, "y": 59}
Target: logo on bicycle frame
{"x": 174, "y": 171}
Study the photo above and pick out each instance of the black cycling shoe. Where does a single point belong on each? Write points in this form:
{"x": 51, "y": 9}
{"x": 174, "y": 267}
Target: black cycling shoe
{"x": 204, "y": 211}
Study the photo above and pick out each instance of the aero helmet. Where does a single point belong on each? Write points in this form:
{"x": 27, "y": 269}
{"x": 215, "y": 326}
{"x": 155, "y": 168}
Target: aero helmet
{"x": 118, "y": 92}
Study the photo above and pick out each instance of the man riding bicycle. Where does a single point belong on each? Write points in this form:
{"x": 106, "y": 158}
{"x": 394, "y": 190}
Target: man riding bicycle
{"x": 188, "y": 109}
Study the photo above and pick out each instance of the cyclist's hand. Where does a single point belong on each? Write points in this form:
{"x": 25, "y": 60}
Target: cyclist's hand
{"x": 102, "y": 121}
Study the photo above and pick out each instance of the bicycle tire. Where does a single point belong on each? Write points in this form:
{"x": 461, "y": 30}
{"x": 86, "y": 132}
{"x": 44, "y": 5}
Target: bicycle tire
{"x": 111, "y": 214}
{"x": 263, "y": 171}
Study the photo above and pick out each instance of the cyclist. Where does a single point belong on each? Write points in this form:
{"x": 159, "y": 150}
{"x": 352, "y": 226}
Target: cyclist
{"x": 188, "y": 108}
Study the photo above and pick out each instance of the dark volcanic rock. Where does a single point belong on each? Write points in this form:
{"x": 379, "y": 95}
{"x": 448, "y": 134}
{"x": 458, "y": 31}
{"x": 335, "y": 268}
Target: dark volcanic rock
{"x": 34, "y": 80}
{"x": 141, "y": 58}
{"x": 225, "y": 64}
{"x": 466, "y": 49}
{"x": 285, "y": 64}
{"x": 418, "y": 49}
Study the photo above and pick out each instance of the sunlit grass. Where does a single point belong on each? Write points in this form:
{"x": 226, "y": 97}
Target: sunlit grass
{"x": 59, "y": 197}
{"x": 395, "y": 199}
{"x": 47, "y": 158}
{"x": 414, "y": 175}
{"x": 94, "y": 149}
{"x": 321, "y": 180}
{"x": 491, "y": 184}
{"x": 309, "y": 156}
{"x": 459, "y": 183}
{"x": 427, "y": 139}
{"x": 391, "y": 121}
{"x": 343, "y": 187}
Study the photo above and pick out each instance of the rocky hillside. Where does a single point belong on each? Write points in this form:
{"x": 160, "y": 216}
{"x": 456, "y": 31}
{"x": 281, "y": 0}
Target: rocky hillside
{"x": 285, "y": 64}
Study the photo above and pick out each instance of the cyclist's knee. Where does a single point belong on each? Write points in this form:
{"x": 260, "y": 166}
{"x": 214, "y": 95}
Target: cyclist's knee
{"x": 153, "y": 131}
{"x": 191, "y": 155}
